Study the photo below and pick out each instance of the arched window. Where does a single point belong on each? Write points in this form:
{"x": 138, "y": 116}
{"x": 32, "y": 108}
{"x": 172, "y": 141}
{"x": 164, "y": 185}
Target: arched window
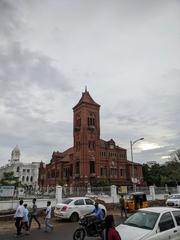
{"x": 23, "y": 178}
{"x": 27, "y": 179}
{"x": 17, "y": 170}
{"x": 31, "y": 178}
{"x": 91, "y": 119}
{"x": 78, "y": 120}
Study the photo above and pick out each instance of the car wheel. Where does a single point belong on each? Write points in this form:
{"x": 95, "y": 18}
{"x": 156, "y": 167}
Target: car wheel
{"x": 74, "y": 217}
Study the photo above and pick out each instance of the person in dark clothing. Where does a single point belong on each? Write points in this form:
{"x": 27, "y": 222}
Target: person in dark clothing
{"x": 34, "y": 214}
{"x": 97, "y": 217}
{"x": 123, "y": 206}
{"x": 110, "y": 233}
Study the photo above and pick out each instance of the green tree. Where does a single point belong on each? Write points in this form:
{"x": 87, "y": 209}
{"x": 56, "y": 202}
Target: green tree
{"x": 10, "y": 179}
{"x": 160, "y": 175}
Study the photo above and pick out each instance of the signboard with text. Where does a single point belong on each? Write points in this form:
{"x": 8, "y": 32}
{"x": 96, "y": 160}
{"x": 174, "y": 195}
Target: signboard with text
{"x": 122, "y": 189}
{"x": 7, "y": 191}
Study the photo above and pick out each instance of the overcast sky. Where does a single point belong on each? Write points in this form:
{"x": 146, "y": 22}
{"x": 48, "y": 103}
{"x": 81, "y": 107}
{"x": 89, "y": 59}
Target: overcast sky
{"x": 127, "y": 52}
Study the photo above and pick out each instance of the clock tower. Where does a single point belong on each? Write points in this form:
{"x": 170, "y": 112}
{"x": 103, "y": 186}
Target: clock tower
{"x": 86, "y": 136}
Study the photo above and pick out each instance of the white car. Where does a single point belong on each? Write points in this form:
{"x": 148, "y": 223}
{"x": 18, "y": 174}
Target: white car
{"x": 153, "y": 223}
{"x": 75, "y": 208}
{"x": 173, "y": 200}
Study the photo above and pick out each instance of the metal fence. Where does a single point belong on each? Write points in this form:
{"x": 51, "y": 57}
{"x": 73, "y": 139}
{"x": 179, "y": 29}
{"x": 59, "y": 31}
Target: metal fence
{"x": 91, "y": 192}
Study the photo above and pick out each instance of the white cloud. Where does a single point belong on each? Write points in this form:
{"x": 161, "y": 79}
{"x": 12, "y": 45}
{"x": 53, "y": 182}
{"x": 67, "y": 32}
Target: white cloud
{"x": 148, "y": 146}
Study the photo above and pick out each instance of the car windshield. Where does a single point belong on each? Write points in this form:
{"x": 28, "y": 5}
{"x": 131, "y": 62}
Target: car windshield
{"x": 142, "y": 219}
{"x": 175, "y": 197}
{"x": 67, "y": 200}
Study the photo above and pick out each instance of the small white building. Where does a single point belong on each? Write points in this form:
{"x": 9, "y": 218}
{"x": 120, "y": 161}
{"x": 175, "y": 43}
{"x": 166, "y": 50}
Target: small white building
{"x": 27, "y": 172}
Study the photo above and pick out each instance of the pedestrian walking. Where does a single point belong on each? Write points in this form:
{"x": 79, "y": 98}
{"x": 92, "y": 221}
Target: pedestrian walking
{"x": 123, "y": 206}
{"x": 110, "y": 233}
{"x": 34, "y": 215}
{"x": 48, "y": 217}
{"x": 25, "y": 220}
{"x": 18, "y": 217}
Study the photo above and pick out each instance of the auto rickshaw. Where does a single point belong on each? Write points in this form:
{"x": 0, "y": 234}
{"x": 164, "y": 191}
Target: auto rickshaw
{"x": 136, "y": 200}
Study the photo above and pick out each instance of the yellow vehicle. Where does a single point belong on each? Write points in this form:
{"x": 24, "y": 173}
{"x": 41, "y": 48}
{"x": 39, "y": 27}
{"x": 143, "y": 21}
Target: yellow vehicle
{"x": 136, "y": 200}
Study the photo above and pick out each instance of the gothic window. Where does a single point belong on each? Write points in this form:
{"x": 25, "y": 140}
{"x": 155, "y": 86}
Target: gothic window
{"x": 91, "y": 119}
{"x": 53, "y": 173}
{"x": 71, "y": 170}
{"x": 77, "y": 168}
{"x": 92, "y": 167}
{"x": 27, "y": 179}
{"x": 92, "y": 145}
{"x": 78, "y": 146}
{"x": 122, "y": 172}
{"x": 111, "y": 146}
{"x": 31, "y": 178}
{"x": 78, "y": 121}
{"x": 113, "y": 172}
{"x": 17, "y": 170}
{"x": 66, "y": 172}
{"x": 23, "y": 178}
{"x": 103, "y": 171}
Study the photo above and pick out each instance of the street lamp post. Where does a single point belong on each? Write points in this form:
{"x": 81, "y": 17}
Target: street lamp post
{"x": 132, "y": 160}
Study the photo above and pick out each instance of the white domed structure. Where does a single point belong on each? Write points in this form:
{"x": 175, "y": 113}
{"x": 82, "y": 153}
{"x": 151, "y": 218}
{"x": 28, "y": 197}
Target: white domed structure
{"x": 15, "y": 154}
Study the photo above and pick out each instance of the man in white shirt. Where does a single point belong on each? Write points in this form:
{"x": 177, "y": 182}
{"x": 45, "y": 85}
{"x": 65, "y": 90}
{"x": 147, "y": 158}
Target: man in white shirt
{"x": 48, "y": 217}
{"x": 19, "y": 216}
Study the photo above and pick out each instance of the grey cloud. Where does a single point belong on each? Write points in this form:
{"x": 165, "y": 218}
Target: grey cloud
{"x": 7, "y": 18}
{"x": 153, "y": 154}
{"x": 23, "y": 72}
{"x": 20, "y": 67}
{"x": 36, "y": 137}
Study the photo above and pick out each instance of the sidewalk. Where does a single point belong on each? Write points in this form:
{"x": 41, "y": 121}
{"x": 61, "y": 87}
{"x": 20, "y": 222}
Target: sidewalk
{"x": 9, "y": 226}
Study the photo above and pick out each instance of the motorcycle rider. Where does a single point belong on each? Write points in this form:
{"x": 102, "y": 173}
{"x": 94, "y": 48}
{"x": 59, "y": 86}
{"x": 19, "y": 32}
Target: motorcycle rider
{"x": 99, "y": 216}
{"x": 98, "y": 212}
{"x": 92, "y": 225}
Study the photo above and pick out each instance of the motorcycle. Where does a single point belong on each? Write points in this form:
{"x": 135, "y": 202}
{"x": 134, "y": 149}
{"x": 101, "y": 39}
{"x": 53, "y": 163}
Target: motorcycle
{"x": 90, "y": 227}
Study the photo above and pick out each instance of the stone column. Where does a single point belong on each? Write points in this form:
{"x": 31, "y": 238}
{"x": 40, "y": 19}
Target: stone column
{"x": 71, "y": 189}
{"x": 152, "y": 192}
{"x": 58, "y": 194}
{"x": 88, "y": 188}
{"x": 178, "y": 188}
{"x": 114, "y": 193}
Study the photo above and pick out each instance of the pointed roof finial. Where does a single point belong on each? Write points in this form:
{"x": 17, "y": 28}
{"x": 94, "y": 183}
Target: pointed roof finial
{"x": 85, "y": 88}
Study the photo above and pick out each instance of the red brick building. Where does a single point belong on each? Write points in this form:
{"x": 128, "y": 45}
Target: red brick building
{"x": 91, "y": 159}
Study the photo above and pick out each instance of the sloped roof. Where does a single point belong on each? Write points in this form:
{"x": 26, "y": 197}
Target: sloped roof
{"x": 106, "y": 143}
{"x": 86, "y": 98}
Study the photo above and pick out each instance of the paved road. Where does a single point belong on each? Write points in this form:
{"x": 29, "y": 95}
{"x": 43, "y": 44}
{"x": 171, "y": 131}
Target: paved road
{"x": 62, "y": 231}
